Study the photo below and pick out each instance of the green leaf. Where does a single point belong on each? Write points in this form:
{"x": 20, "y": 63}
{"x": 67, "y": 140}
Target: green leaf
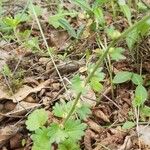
{"x": 96, "y": 85}
{"x": 37, "y": 8}
{"x": 100, "y": 2}
{"x": 62, "y": 109}
{"x": 77, "y": 84}
{"x": 75, "y": 129}
{"x": 112, "y": 33}
{"x": 54, "y": 20}
{"x": 141, "y": 96}
{"x": 33, "y": 44}
{"x": 141, "y": 6}
{"x": 144, "y": 27}
{"x": 125, "y": 9}
{"x": 22, "y": 17}
{"x": 68, "y": 144}
{"x": 128, "y": 125}
{"x": 99, "y": 16}
{"x": 98, "y": 73}
{"x": 11, "y": 22}
{"x": 65, "y": 24}
{"x": 122, "y": 77}
{"x": 137, "y": 79}
{"x": 132, "y": 38}
{"x": 6, "y": 71}
{"x": 83, "y": 4}
{"x": 36, "y": 119}
{"x": 145, "y": 111}
{"x": 83, "y": 110}
{"x": 57, "y": 133}
{"x": 41, "y": 140}
{"x": 116, "y": 53}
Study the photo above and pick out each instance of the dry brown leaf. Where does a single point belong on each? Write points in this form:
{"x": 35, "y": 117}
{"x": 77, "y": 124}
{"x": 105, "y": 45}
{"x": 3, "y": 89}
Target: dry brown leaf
{"x": 89, "y": 97}
{"x": 127, "y": 145}
{"x": 15, "y": 141}
{"x": 89, "y": 135}
{"x": 101, "y": 115}
{"x": 24, "y": 92}
{"x": 94, "y": 126}
{"x": 3, "y": 58}
{"x": 22, "y": 107}
{"x": 144, "y": 135}
{"x": 6, "y": 133}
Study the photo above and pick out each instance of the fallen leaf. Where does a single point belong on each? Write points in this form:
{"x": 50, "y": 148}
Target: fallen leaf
{"x": 4, "y": 55}
{"x": 6, "y": 133}
{"x": 89, "y": 97}
{"x": 127, "y": 145}
{"x": 101, "y": 115}
{"x": 23, "y": 92}
{"x": 144, "y": 132}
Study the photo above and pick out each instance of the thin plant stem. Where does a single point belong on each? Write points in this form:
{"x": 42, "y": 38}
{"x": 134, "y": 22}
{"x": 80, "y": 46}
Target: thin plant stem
{"x": 101, "y": 59}
{"x": 113, "y": 8}
{"x": 48, "y": 49}
{"x": 108, "y": 65}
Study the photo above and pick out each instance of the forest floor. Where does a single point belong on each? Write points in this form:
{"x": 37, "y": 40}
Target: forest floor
{"x": 40, "y": 56}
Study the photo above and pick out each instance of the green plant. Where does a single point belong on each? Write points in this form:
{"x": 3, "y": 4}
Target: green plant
{"x": 66, "y": 136}
{"x": 13, "y": 79}
{"x": 69, "y": 127}
{"x": 124, "y": 76}
{"x": 126, "y": 10}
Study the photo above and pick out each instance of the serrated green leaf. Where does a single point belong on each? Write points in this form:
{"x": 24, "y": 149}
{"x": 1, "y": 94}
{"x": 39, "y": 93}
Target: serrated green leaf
{"x": 57, "y": 133}
{"x": 74, "y": 129}
{"x": 36, "y": 119}
{"x": 96, "y": 85}
{"x": 116, "y": 54}
{"x": 132, "y": 38}
{"x": 122, "y": 77}
{"x": 83, "y": 111}
{"x": 68, "y": 144}
{"x": 41, "y": 140}
{"x": 62, "y": 109}
{"x": 137, "y": 79}
{"x": 128, "y": 125}
{"x": 77, "y": 84}
{"x": 112, "y": 33}
{"x": 98, "y": 73}
{"x": 65, "y": 24}
{"x": 141, "y": 95}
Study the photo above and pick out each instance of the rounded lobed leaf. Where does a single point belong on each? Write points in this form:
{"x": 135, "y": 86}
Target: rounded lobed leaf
{"x": 36, "y": 119}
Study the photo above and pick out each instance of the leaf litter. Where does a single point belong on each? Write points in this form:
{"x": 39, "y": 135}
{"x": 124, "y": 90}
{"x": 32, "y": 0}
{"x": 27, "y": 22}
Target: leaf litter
{"x": 41, "y": 87}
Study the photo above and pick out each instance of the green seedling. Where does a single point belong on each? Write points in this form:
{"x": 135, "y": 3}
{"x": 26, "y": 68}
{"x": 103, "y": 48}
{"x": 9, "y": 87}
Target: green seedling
{"x": 14, "y": 80}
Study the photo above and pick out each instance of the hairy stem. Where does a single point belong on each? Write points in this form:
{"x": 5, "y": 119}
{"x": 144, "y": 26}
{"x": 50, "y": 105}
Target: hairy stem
{"x": 101, "y": 59}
